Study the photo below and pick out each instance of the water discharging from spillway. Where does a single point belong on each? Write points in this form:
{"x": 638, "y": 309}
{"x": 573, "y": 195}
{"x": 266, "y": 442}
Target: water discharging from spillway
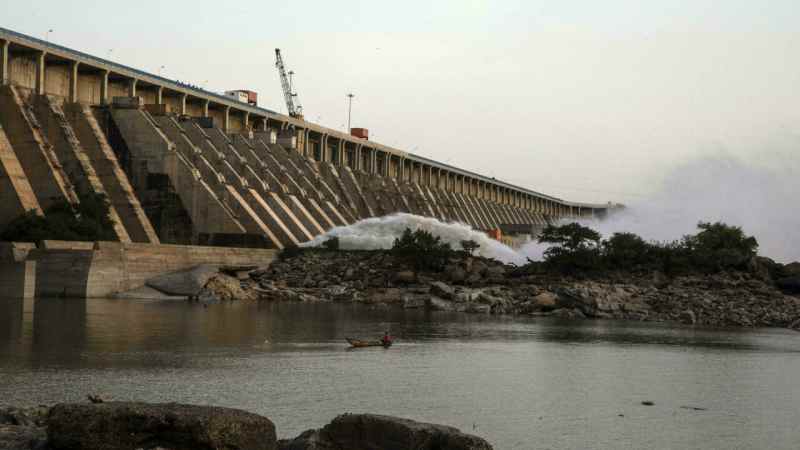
{"x": 380, "y": 233}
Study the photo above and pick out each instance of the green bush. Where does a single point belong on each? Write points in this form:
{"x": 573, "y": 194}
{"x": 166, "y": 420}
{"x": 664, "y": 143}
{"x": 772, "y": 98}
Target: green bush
{"x": 422, "y": 249}
{"x": 469, "y": 246}
{"x": 575, "y": 247}
{"x": 88, "y": 220}
{"x": 624, "y": 250}
{"x": 715, "y": 247}
{"x": 331, "y": 243}
{"x": 290, "y": 251}
{"x": 719, "y": 246}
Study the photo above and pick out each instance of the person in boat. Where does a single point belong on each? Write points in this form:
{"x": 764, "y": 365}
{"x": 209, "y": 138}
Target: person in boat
{"x": 386, "y": 340}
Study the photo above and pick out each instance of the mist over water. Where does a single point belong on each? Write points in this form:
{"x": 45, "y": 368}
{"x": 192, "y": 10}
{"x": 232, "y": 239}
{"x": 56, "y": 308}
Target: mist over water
{"x": 762, "y": 200}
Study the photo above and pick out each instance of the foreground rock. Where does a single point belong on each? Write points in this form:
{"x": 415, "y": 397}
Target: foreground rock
{"x": 185, "y": 282}
{"x": 376, "y": 432}
{"x": 133, "y": 425}
{"x": 172, "y": 426}
{"x": 23, "y": 428}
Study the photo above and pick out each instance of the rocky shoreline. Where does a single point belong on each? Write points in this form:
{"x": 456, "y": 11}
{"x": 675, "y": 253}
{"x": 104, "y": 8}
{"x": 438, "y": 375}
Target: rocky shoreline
{"x": 172, "y": 426}
{"x": 468, "y": 284}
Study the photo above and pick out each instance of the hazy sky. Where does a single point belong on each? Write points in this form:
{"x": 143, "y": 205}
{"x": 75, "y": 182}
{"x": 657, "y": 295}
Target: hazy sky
{"x": 586, "y": 100}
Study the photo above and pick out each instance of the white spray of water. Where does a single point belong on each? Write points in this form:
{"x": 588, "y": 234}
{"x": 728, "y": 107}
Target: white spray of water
{"x": 762, "y": 201}
{"x": 380, "y": 233}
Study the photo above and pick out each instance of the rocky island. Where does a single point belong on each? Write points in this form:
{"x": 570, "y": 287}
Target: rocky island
{"x": 739, "y": 289}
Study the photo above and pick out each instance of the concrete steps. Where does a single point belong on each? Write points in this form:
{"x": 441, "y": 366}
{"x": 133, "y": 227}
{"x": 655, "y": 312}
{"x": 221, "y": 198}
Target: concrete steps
{"x": 16, "y": 193}
{"x": 120, "y": 192}
{"x": 260, "y": 212}
{"x": 73, "y": 157}
{"x": 36, "y": 157}
{"x": 152, "y": 152}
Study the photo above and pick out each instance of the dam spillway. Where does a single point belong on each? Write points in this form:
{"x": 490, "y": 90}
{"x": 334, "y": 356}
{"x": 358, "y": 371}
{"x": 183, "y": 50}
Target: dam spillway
{"x": 182, "y": 165}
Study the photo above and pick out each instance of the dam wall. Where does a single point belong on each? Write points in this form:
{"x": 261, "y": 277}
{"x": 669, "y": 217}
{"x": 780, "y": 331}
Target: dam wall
{"x": 181, "y": 165}
{"x": 104, "y": 269}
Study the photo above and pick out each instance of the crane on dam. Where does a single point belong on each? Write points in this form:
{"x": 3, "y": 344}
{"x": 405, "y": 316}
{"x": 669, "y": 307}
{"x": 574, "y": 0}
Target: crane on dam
{"x": 293, "y": 106}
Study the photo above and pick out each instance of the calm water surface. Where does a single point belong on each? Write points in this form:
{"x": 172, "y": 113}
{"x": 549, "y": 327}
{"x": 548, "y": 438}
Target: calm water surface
{"x": 520, "y": 383}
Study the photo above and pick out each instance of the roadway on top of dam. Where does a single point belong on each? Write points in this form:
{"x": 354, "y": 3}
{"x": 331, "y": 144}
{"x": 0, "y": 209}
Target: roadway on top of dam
{"x": 199, "y": 93}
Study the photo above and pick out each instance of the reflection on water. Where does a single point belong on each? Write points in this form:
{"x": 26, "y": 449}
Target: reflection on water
{"x": 512, "y": 380}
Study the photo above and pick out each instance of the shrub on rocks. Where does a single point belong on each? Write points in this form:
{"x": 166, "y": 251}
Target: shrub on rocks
{"x": 422, "y": 249}
{"x": 332, "y": 243}
{"x": 87, "y": 220}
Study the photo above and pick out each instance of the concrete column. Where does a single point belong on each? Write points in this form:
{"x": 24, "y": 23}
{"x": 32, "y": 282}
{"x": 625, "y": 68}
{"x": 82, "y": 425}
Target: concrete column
{"x": 359, "y": 161}
{"x": 205, "y": 108}
{"x": 226, "y": 119}
{"x": 73, "y": 81}
{"x": 132, "y": 87}
{"x": 4, "y": 62}
{"x": 246, "y": 121}
{"x": 401, "y": 172}
{"x": 159, "y": 95}
{"x": 183, "y": 104}
{"x": 40, "y": 70}
{"x": 104, "y": 87}
{"x": 306, "y": 135}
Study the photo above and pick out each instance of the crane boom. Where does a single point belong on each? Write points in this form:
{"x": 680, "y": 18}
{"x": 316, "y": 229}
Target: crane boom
{"x": 288, "y": 95}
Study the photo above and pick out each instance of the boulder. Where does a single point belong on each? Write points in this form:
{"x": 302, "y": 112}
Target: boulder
{"x": 455, "y": 273}
{"x": 226, "y": 288}
{"x": 148, "y": 293}
{"x": 414, "y": 301}
{"x": 376, "y": 432}
{"x": 31, "y": 417}
{"x": 688, "y": 317}
{"x": 404, "y": 277}
{"x": 789, "y": 285}
{"x": 792, "y": 269}
{"x": 184, "y": 282}
{"x": 479, "y": 308}
{"x": 568, "y": 313}
{"x": 439, "y": 304}
{"x": 496, "y": 272}
{"x": 133, "y": 425}
{"x": 479, "y": 267}
{"x": 442, "y": 290}
{"x": 22, "y": 437}
{"x": 545, "y": 301}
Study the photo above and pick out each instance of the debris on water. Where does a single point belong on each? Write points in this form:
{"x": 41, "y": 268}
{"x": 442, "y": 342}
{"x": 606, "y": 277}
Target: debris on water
{"x": 648, "y": 403}
{"x": 620, "y": 415}
{"x": 694, "y": 408}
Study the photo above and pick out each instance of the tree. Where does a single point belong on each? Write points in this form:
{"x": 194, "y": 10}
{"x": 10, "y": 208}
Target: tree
{"x": 331, "y": 243}
{"x": 719, "y": 246}
{"x": 469, "y": 246}
{"x": 626, "y": 250}
{"x": 575, "y": 247}
{"x": 87, "y": 220}
{"x": 421, "y": 249}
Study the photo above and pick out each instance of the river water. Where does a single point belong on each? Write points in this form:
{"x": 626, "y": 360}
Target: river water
{"x": 520, "y": 383}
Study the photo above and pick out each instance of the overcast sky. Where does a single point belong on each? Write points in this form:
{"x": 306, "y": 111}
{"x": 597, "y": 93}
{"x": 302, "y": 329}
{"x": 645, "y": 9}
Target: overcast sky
{"x": 587, "y": 100}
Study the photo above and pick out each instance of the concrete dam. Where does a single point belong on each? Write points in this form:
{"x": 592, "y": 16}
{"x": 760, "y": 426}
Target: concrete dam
{"x": 182, "y": 165}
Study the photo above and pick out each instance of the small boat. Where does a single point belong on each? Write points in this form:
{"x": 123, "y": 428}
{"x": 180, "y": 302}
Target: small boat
{"x": 361, "y": 343}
